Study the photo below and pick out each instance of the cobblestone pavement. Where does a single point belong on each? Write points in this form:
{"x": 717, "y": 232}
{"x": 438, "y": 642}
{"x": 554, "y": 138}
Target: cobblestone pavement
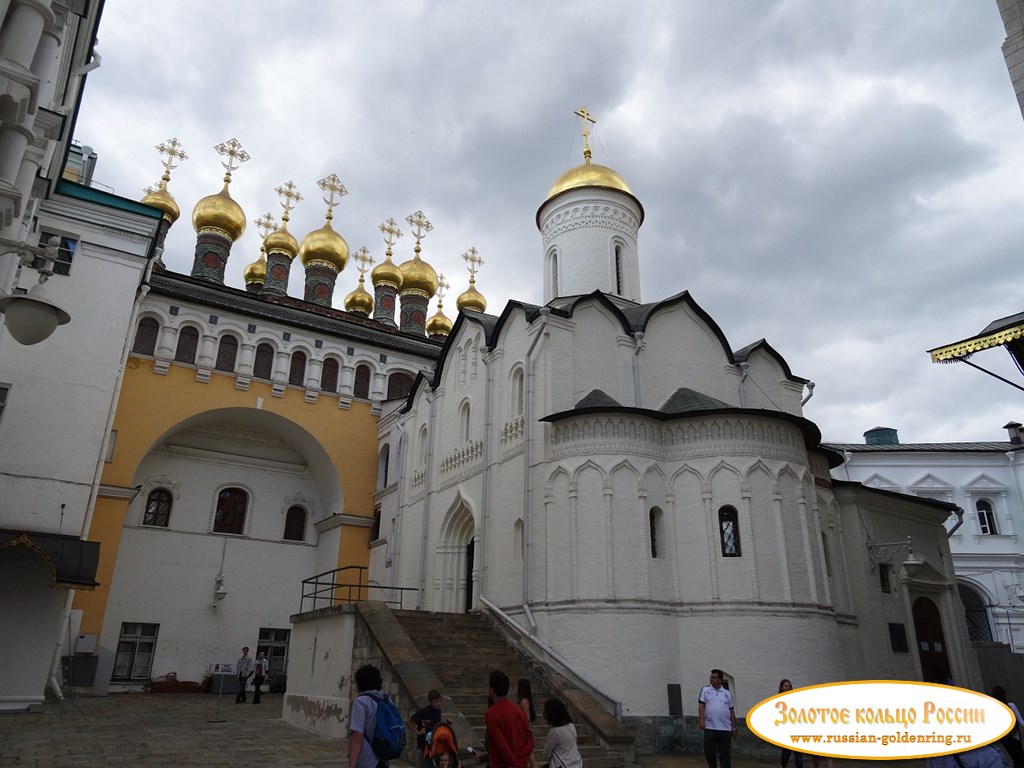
{"x": 184, "y": 730}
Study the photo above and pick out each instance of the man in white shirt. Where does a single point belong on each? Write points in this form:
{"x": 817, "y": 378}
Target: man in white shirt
{"x": 716, "y": 714}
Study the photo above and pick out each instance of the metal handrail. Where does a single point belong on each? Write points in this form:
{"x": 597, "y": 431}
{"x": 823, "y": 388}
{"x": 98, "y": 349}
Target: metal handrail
{"x": 342, "y": 586}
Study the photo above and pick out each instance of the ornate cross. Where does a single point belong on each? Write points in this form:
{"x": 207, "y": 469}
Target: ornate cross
{"x": 473, "y": 262}
{"x": 391, "y": 233}
{"x": 174, "y": 154}
{"x": 587, "y": 118}
{"x": 266, "y": 224}
{"x": 235, "y": 155}
{"x": 332, "y": 186}
{"x": 289, "y": 195}
{"x": 420, "y": 226}
{"x": 365, "y": 260}
{"x": 442, "y": 288}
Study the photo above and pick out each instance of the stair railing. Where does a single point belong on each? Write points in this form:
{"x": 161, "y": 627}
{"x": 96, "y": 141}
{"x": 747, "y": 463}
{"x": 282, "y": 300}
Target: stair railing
{"x": 347, "y": 585}
{"x": 562, "y": 667}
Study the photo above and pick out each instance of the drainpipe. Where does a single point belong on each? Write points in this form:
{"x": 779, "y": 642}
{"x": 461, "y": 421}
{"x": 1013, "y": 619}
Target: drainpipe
{"x": 810, "y": 393}
{"x": 959, "y": 512}
{"x": 744, "y": 372}
{"x": 427, "y": 475}
{"x": 400, "y": 472}
{"x": 527, "y": 441}
{"x": 638, "y": 337}
{"x": 485, "y": 480}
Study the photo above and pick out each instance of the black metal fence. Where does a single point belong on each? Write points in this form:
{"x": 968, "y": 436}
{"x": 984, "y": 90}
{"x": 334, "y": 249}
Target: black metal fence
{"x": 349, "y": 585}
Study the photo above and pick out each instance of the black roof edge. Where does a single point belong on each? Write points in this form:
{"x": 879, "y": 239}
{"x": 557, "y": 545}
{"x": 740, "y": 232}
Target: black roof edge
{"x": 946, "y": 505}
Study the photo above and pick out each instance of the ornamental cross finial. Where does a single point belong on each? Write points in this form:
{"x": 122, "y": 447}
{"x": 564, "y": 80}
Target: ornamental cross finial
{"x": 473, "y": 263}
{"x": 235, "y": 155}
{"x": 587, "y": 118}
{"x": 173, "y": 154}
{"x": 420, "y": 226}
{"x": 332, "y": 186}
{"x": 442, "y": 288}
{"x": 289, "y": 195}
{"x": 266, "y": 224}
{"x": 391, "y": 233}
{"x": 365, "y": 260}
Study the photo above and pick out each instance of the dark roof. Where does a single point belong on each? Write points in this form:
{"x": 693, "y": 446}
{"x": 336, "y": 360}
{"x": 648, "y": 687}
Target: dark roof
{"x": 291, "y": 311}
{"x": 598, "y": 399}
{"x": 925, "y": 447}
{"x": 685, "y": 400}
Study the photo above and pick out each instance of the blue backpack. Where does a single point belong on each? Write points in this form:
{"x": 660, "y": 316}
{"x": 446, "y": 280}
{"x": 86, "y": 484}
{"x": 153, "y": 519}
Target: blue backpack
{"x": 388, "y": 741}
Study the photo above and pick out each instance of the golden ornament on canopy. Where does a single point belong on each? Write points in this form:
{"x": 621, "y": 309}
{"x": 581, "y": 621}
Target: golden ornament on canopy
{"x": 417, "y": 275}
{"x": 360, "y": 301}
{"x": 324, "y": 245}
{"x": 387, "y": 272}
{"x": 220, "y": 211}
{"x": 471, "y": 300}
{"x": 158, "y": 196}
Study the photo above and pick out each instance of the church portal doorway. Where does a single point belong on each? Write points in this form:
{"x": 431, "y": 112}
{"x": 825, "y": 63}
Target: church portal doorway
{"x": 931, "y": 642}
{"x": 456, "y": 560}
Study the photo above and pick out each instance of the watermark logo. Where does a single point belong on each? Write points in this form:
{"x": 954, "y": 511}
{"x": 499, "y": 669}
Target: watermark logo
{"x": 880, "y": 719}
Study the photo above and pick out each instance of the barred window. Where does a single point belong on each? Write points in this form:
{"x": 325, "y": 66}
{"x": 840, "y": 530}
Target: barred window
{"x": 297, "y": 372}
{"x": 295, "y": 524}
{"x": 729, "y": 531}
{"x": 227, "y": 353}
{"x": 145, "y": 336}
{"x": 361, "y": 388}
{"x": 399, "y": 384}
{"x": 158, "y": 508}
{"x": 263, "y": 367}
{"x": 188, "y": 344}
{"x": 232, "y": 504}
{"x": 329, "y": 375}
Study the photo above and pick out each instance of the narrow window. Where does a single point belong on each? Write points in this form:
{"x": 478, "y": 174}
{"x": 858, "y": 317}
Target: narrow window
{"x": 553, "y": 264}
{"x": 5, "y": 392}
{"x": 145, "y": 336}
{"x": 135, "y": 647}
{"x": 231, "y": 508}
{"x": 361, "y": 387}
{"x": 885, "y": 577}
{"x": 383, "y": 459}
{"x": 263, "y": 367}
{"x": 227, "y": 353}
{"x": 517, "y": 540}
{"x": 188, "y": 344}
{"x": 655, "y": 518}
{"x": 729, "y": 531}
{"x": 898, "y": 638}
{"x": 375, "y": 529}
{"x": 295, "y": 524}
{"x": 297, "y": 372}
{"x": 986, "y": 517}
{"x": 827, "y": 555}
{"x": 399, "y": 384}
{"x": 65, "y": 253}
{"x": 464, "y": 417}
{"x": 618, "y": 269}
{"x": 517, "y": 392}
{"x": 158, "y": 508}
{"x": 329, "y": 375}
{"x": 423, "y": 446}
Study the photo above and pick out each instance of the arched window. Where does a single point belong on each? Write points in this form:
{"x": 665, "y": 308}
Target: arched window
{"x": 618, "y": 269}
{"x": 329, "y": 375}
{"x": 464, "y": 418}
{"x": 422, "y": 452}
{"x": 517, "y": 392}
{"x": 656, "y": 534}
{"x": 232, "y": 504}
{"x": 827, "y": 554}
{"x": 263, "y": 366}
{"x": 188, "y": 344}
{"x": 158, "y": 508}
{"x": 729, "y": 531}
{"x": 382, "y": 466}
{"x": 227, "y": 353}
{"x": 145, "y": 336}
{"x": 297, "y": 371}
{"x": 976, "y": 613}
{"x": 986, "y": 517}
{"x": 553, "y": 271}
{"x": 295, "y": 524}
{"x": 361, "y": 387}
{"x": 399, "y": 384}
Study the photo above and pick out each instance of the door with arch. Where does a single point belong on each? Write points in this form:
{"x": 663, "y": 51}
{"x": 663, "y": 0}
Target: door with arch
{"x": 456, "y": 561}
{"x": 931, "y": 642}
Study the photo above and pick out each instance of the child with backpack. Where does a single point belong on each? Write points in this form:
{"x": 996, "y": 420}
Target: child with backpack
{"x": 376, "y": 732}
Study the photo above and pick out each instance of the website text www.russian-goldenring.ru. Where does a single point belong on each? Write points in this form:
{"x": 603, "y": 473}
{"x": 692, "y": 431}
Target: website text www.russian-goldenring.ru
{"x": 884, "y": 739}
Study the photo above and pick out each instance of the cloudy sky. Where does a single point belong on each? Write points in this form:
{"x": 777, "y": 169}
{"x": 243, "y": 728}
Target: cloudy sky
{"x": 843, "y": 179}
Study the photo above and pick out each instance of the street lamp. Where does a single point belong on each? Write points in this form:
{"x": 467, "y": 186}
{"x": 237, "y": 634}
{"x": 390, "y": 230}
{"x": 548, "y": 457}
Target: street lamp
{"x": 32, "y": 316}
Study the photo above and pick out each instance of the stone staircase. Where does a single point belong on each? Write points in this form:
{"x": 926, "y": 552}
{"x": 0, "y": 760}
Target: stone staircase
{"x": 463, "y": 649}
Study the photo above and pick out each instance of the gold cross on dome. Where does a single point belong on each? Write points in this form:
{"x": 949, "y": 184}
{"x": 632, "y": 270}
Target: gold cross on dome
{"x": 151, "y": 189}
{"x": 420, "y": 225}
{"x": 587, "y": 118}
{"x": 365, "y": 260}
{"x": 442, "y": 288}
{"x": 173, "y": 153}
{"x": 332, "y": 186}
{"x": 234, "y": 153}
{"x": 391, "y": 232}
{"x": 266, "y": 224}
{"x": 289, "y": 195}
{"x": 473, "y": 261}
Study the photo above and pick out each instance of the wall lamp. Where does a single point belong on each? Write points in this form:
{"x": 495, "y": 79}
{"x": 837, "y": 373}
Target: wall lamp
{"x": 32, "y": 316}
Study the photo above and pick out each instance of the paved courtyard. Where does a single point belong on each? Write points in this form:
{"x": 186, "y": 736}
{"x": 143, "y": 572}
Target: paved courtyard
{"x": 183, "y": 730}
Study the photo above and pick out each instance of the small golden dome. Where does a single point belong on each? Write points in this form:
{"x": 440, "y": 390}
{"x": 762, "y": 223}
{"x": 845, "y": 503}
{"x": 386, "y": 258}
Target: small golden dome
{"x": 161, "y": 199}
{"x": 282, "y": 241}
{"x": 256, "y": 272}
{"x": 219, "y": 212}
{"x": 588, "y": 175}
{"x": 471, "y": 300}
{"x": 438, "y": 324}
{"x": 324, "y": 244}
{"x": 359, "y": 301}
{"x": 417, "y": 275}
{"x": 386, "y": 272}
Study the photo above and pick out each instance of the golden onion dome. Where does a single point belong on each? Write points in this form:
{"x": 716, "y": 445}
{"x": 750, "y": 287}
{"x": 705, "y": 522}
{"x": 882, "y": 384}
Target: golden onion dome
{"x": 256, "y": 272}
{"x": 588, "y": 175}
{"x": 471, "y": 300}
{"x": 438, "y": 324}
{"x": 282, "y": 241}
{"x": 387, "y": 272}
{"x": 161, "y": 199}
{"x": 324, "y": 244}
{"x": 359, "y": 301}
{"x": 417, "y": 275}
{"x": 219, "y": 211}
